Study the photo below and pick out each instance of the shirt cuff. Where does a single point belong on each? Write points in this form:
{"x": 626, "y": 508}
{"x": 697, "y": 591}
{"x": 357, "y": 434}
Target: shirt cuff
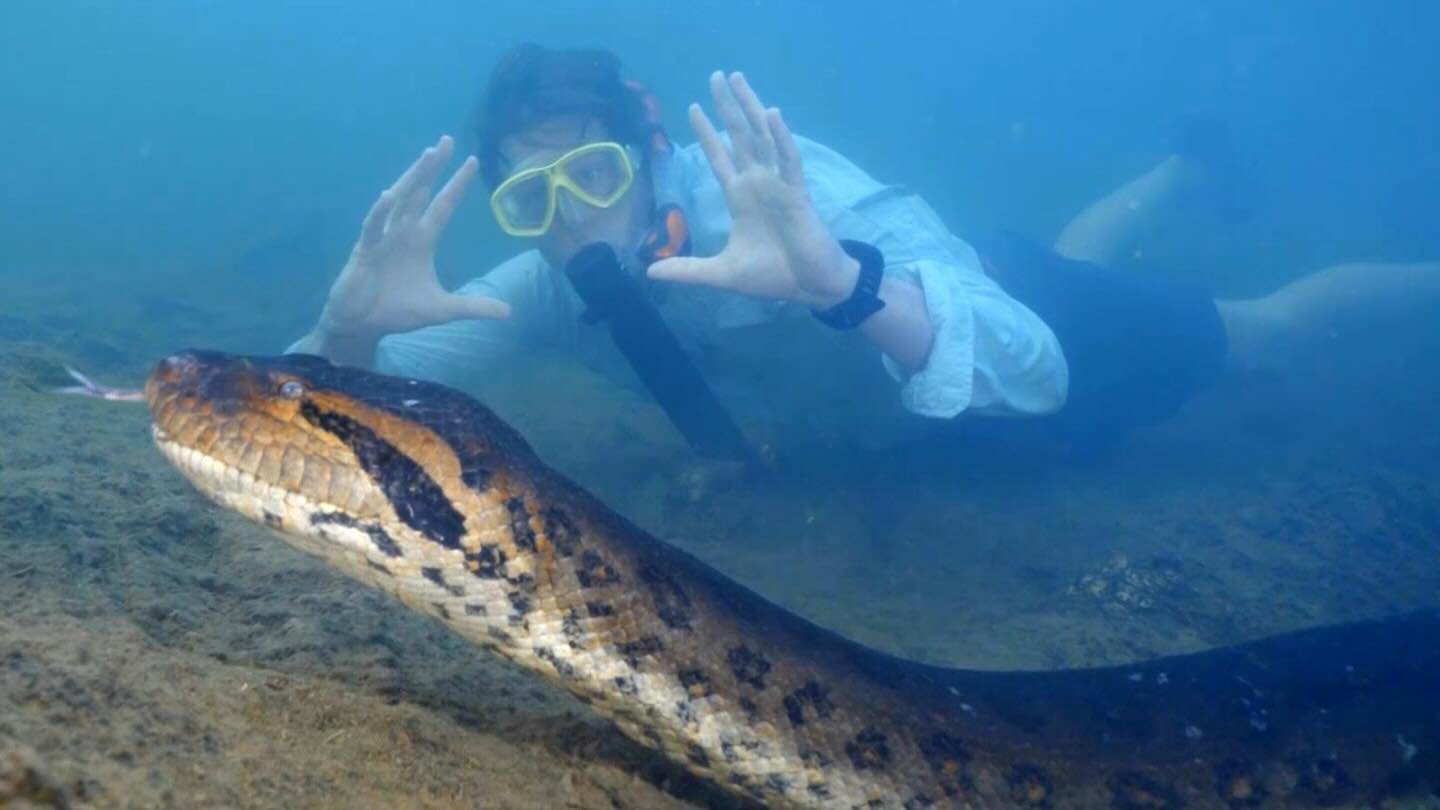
{"x": 945, "y": 386}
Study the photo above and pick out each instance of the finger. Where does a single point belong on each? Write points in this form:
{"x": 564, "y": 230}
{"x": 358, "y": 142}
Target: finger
{"x": 734, "y": 121}
{"x": 711, "y": 144}
{"x": 406, "y": 181}
{"x": 444, "y": 205}
{"x": 685, "y": 270}
{"x": 412, "y": 190}
{"x": 792, "y": 167}
{"x": 472, "y": 307}
{"x": 412, "y": 206}
{"x": 754, "y": 113}
{"x": 372, "y": 230}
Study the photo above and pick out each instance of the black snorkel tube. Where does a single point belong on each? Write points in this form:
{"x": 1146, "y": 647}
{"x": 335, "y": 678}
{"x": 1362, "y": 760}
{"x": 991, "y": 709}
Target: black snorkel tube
{"x": 615, "y": 298}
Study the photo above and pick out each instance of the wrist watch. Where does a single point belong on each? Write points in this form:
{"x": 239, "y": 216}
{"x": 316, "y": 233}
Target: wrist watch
{"x": 864, "y": 301}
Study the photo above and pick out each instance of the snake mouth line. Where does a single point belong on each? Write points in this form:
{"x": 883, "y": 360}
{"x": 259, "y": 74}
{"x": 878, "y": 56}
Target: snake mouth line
{"x": 274, "y": 506}
{"x": 226, "y": 479}
{"x": 312, "y": 525}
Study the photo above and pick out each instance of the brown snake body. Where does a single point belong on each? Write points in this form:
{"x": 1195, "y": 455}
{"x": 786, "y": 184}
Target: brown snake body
{"x": 422, "y": 492}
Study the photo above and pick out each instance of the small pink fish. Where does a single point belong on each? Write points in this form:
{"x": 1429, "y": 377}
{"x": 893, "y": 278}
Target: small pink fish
{"x": 89, "y": 388}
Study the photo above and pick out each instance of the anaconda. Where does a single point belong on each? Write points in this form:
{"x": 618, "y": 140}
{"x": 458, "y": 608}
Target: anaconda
{"x": 422, "y": 492}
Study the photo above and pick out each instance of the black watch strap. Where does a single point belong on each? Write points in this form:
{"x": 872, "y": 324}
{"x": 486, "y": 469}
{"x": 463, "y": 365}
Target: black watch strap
{"x": 864, "y": 301}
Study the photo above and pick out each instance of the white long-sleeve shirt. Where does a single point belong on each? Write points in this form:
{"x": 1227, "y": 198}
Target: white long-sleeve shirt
{"x": 990, "y": 353}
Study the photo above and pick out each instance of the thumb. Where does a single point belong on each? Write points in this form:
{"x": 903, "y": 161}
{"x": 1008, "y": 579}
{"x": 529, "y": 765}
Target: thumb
{"x": 470, "y": 307}
{"x": 685, "y": 270}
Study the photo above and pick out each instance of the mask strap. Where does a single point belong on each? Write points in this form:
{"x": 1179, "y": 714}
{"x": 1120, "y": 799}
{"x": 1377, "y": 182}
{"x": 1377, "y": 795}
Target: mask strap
{"x": 656, "y": 141}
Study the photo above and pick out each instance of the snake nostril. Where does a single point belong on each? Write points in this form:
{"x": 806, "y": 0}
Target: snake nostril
{"x": 183, "y": 364}
{"x": 180, "y": 366}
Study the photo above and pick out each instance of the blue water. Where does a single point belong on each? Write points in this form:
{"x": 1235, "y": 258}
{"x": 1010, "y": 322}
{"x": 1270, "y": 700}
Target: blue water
{"x": 187, "y": 172}
{"x": 148, "y": 135}
{"x": 184, "y": 172}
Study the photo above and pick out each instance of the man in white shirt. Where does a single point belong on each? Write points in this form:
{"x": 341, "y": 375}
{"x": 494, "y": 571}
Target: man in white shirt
{"x": 779, "y": 225}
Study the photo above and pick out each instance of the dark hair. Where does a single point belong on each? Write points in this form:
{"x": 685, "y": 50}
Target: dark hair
{"x": 531, "y": 83}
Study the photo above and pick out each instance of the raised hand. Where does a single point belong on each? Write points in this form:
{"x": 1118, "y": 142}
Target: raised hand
{"x": 389, "y": 284}
{"x": 778, "y": 246}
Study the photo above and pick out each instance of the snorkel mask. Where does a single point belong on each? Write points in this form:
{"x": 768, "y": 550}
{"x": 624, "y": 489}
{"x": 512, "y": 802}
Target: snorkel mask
{"x": 597, "y": 174}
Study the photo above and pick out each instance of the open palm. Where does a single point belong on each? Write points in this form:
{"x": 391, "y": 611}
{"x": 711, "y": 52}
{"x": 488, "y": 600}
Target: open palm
{"x": 389, "y": 284}
{"x": 778, "y": 245}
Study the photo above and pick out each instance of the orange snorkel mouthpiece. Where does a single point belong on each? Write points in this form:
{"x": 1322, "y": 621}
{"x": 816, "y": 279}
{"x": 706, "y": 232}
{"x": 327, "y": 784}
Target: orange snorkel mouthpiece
{"x": 668, "y": 237}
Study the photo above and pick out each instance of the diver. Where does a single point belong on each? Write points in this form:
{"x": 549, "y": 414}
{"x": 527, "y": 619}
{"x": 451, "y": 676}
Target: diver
{"x": 759, "y": 225}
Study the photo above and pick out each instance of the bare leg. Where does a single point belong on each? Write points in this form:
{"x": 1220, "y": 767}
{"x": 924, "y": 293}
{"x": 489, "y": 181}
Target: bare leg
{"x": 1103, "y": 230}
{"x": 1344, "y": 299}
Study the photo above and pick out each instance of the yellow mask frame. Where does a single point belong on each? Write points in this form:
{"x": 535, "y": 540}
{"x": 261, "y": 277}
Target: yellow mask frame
{"x": 556, "y": 176}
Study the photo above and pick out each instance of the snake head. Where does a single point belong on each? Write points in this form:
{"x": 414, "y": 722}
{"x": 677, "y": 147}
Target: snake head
{"x": 259, "y": 434}
{"x": 284, "y": 439}
{"x": 225, "y": 404}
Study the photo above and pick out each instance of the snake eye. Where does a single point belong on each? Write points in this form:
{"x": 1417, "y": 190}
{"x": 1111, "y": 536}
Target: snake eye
{"x": 292, "y": 389}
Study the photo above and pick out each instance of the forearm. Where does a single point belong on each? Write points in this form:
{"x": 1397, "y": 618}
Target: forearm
{"x": 902, "y": 330}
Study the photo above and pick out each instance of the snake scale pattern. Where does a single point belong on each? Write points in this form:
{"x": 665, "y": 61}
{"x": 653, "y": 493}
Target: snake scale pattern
{"x": 423, "y": 493}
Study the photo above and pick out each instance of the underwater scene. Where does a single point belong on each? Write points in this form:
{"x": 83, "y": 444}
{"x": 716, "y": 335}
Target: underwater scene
{"x": 719, "y": 404}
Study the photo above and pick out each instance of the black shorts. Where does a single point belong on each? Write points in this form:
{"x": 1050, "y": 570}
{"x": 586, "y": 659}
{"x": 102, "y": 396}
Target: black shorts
{"x": 1138, "y": 346}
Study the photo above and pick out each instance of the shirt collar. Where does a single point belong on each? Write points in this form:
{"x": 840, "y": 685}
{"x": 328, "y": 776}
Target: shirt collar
{"x": 668, "y": 180}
